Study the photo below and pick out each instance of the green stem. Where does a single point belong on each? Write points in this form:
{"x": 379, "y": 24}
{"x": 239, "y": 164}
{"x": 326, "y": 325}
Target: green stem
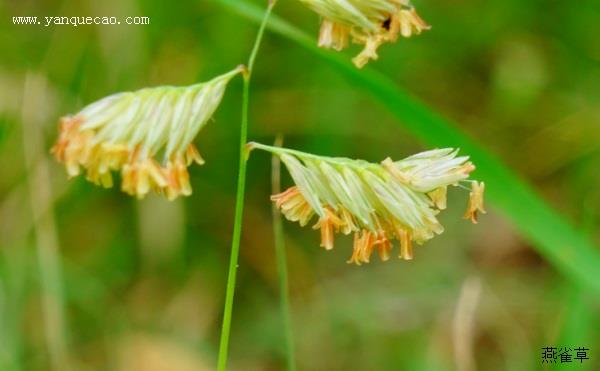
{"x": 239, "y": 206}
{"x": 281, "y": 264}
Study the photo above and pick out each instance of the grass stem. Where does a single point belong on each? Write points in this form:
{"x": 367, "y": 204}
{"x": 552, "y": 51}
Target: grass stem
{"x": 239, "y": 202}
{"x": 282, "y": 263}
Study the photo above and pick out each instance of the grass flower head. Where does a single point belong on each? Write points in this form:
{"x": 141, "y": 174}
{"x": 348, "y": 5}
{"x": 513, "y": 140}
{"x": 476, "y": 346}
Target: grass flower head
{"x": 378, "y": 203}
{"x": 367, "y": 22}
{"x": 128, "y": 132}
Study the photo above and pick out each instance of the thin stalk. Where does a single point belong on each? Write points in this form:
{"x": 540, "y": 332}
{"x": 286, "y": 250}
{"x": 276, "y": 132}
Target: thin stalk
{"x": 46, "y": 239}
{"x": 239, "y": 202}
{"x": 284, "y": 295}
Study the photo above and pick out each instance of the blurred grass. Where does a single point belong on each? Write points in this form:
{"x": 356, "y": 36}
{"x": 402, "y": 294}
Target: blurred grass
{"x": 281, "y": 257}
{"x": 555, "y": 238}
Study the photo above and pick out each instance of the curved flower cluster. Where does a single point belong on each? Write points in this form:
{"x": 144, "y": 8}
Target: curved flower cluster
{"x": 367, "y": 22}
{"x": 126, "y": 132}
{"x": 376, "y": 202}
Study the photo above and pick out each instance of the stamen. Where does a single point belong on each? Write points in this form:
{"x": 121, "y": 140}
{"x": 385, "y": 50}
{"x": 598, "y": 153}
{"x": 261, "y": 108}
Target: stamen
{"x": 378, "y": 202}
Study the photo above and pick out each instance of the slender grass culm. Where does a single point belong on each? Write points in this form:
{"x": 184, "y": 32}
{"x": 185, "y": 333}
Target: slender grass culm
{"x": 239, "y": 202}
{"x": 279, "y": 242}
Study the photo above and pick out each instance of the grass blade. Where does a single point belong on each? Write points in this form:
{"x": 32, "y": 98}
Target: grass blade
{"x": 569, "y": 250}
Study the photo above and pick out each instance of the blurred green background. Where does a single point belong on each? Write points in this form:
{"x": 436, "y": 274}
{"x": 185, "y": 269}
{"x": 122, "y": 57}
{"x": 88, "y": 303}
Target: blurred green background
{"x": 144, "y": 281}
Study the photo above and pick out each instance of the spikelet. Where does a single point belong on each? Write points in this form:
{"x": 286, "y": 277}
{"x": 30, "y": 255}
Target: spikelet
{"x": 126, "y": 132}
{"x": 367, "y": 22}
{"x": 378, "y": 203}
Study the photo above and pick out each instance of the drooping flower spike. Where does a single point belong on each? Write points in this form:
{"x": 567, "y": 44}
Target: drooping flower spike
{"x": 368, "y": 22}
{"x": 376, "y": 202}
{"x": 127, "y": 132}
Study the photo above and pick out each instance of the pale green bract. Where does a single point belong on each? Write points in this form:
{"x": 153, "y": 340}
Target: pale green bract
{"x": 367, "y": 22}
{"x": 367, "y": 14}
{"x": 391, "y": 200}
{"x": 146, "y": 134}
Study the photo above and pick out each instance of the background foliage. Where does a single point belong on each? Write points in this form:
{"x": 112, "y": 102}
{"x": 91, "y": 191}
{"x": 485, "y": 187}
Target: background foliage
{"x": 144, "y": 281}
